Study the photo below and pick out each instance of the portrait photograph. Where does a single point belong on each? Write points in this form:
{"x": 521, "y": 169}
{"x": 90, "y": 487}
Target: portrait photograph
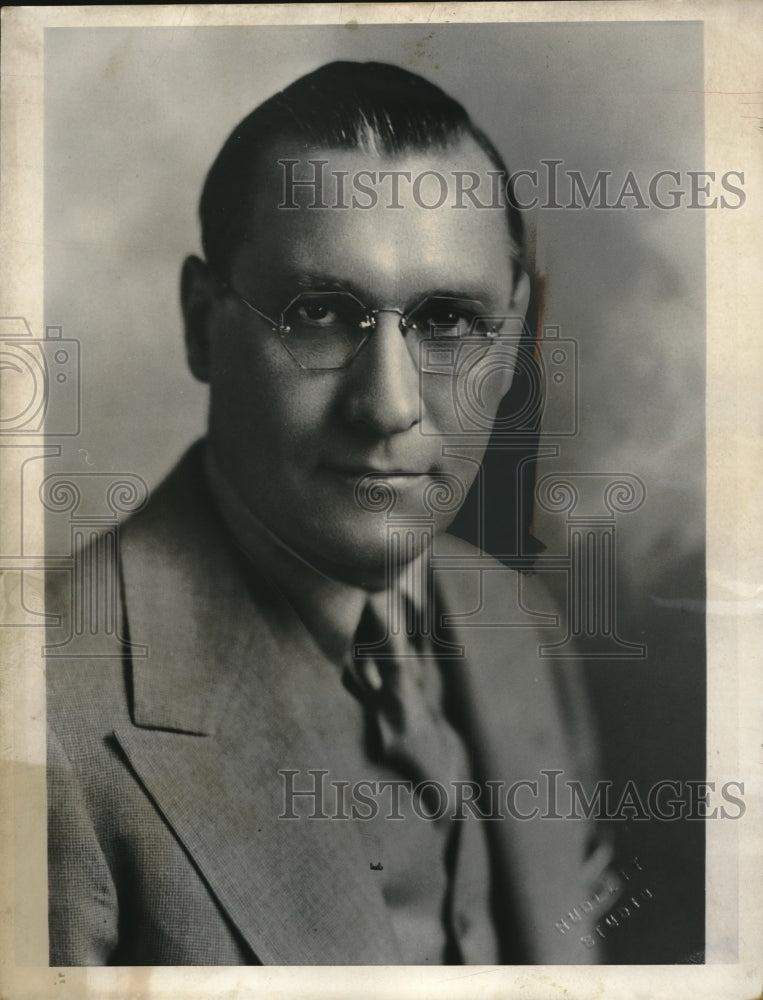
{"x": 380, "y": 422}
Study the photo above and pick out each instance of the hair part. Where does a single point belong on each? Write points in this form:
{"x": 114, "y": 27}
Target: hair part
{"x": 375, "y": 107}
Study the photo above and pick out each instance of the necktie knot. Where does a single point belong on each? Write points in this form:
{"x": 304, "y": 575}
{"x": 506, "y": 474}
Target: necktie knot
{"x": 386, "y": 661}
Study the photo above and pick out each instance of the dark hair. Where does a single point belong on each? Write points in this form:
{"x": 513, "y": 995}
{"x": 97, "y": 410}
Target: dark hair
{"x": 344, "y": 105}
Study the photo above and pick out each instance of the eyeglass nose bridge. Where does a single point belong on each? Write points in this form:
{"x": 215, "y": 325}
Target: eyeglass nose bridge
{"x": 370, "y": 322}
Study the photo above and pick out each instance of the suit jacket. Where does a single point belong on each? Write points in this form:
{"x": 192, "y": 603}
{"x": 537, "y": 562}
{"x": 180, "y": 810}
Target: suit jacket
{"x": 165, "y": 846}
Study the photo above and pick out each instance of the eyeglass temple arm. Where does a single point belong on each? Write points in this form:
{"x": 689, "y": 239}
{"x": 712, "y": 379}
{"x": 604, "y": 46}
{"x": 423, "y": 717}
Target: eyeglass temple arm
{"x": 279, "y": 327}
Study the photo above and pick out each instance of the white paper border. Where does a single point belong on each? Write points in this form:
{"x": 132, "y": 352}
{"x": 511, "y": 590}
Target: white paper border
{"x": 734, "y": 446}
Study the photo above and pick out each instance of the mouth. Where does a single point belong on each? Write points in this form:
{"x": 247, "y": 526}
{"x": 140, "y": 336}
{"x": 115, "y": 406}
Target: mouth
{"x": 358, "y": 472}
{"x": 400, "y": 479}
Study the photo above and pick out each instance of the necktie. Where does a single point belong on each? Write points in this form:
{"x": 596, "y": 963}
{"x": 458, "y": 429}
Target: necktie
{"x": 396, "y": 676}
{"x": 398, "y": 680}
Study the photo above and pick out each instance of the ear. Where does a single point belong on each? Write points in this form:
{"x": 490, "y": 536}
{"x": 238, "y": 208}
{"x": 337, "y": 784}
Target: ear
{"x": 520, "y": 298}
{"x": 198, "y": 294}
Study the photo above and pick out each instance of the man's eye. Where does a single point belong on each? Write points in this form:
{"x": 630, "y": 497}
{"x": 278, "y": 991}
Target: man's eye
{"x": 444, "y": 318}
{"x": 443, "y": 321}
{"x": 317, "y": 313}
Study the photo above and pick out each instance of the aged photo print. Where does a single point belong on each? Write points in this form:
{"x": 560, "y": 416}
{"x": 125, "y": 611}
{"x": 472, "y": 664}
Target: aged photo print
{"x": 378, "y": 539}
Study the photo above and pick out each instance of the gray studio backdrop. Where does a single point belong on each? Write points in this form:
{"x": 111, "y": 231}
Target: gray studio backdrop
{"x": 133, "y": 119}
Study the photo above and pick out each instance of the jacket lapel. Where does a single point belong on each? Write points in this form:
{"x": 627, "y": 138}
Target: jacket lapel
{"x": 510, "y": 710}
{"x": 216, "y": 717}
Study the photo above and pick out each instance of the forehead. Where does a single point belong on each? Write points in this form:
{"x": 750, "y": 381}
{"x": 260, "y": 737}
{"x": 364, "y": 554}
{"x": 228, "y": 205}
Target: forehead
{"x": 392, "y": 224}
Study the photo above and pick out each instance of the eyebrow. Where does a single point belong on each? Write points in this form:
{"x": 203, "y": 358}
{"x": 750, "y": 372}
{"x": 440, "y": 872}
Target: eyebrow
{"x": 308, "y": 281}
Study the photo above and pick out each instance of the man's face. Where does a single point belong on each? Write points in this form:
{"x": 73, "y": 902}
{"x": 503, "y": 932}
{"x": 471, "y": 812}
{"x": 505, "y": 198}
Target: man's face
{"x": 293, "y": 442}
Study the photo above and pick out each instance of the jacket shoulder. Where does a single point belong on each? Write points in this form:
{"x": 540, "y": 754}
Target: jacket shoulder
{"x": 529, "y": 593}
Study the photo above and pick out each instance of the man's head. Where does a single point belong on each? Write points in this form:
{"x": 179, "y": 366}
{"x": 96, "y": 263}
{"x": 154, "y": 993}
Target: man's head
{"x": 297, "y": 426}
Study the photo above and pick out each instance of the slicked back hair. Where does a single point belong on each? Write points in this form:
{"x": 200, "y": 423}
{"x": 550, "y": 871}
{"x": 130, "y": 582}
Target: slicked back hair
{"x": 369, "y": 106}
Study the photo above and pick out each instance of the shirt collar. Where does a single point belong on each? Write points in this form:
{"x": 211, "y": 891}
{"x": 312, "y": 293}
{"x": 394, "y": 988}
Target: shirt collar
{"x": 329, "y": 608}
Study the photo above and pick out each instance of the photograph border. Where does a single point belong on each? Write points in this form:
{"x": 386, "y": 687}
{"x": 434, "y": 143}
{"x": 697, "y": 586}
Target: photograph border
{"x": 734, "y": 456}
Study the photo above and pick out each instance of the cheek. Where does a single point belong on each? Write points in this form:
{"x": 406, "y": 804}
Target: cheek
{"x": 467, "y": 405}
{"x": 259, "y": 399}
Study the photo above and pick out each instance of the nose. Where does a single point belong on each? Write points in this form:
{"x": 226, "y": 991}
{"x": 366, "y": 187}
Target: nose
{"x": 382, "y": 394}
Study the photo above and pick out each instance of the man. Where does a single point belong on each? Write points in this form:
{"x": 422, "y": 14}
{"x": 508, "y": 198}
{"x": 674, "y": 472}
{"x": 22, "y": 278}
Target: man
{"x": 292, "y": 772}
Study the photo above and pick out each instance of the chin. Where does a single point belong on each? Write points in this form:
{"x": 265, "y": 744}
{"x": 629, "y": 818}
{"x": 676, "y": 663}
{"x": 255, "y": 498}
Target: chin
{"x": 366, "y": 558}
